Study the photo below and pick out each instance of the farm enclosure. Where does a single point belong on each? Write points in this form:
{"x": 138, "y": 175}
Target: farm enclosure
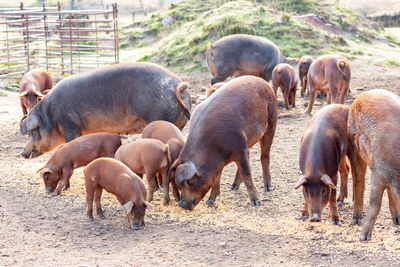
{"x": 60, "y": 41}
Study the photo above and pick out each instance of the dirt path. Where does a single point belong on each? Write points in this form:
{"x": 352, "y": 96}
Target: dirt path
{"x": 39, "y": 230}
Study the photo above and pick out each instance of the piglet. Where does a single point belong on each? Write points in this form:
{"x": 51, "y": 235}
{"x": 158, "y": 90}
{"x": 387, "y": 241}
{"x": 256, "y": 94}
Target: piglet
{"x": 117, "y": 179}
{"x": 77, "y": 153}
{"x": 285, "y": 77}
{"x": 151, "y": 157}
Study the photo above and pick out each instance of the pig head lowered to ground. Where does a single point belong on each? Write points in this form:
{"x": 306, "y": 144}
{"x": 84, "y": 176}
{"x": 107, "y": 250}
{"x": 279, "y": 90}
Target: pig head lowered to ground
{"x": 323, "y": 150}
{"x": 222, "y": 129}
{"x": 122, "y": 98}
{"x": 243, "y": 54}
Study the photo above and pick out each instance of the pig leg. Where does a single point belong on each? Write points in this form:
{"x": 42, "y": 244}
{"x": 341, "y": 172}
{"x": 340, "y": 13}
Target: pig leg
{"x": 245, "y": 176}
{"x": 66, "y": 174}
{"x": 265, "y": 147}
{"x": 286, "y": 93}
{"x": 394, "y": 205}
{"x": 312, "y": 97}
{"x": 151, "y": 181}
{"x": 344, "y": 177}
{"x": 374, "y": 207}
{"x": 215, "y": 191}
{"x": 89, "y": 200}
{"x": 97, "y": 199}
{"x": 302, "y": 83}
{"x": 304, "y": 213}
{"x": 71, "y": 131}
{"x": 292, "y": 97}
{"x": 175, "y": 190}
{"x": 165, "y": 185}
{"x": 328, "y": 97}
{"x": 358, "y": 171}
{"x": 333, "y": 205}
{"x": 236, "y": 183}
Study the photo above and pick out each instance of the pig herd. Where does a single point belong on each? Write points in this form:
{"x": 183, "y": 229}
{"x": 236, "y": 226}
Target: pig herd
{"x": 84, "y": 115}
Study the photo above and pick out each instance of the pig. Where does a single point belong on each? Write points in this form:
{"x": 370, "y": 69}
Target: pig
{"x": 285, "y": 77}
{"x": 214, "y": 88}
{"x": 323, "y": 151}
{"x": 374, "y": 124}
{"x": 170, "y": 135}
{"x": 222, "y": 129}
{"x": 117, "y": 179}
{"x": 151, "y": 157}
{"x": 242, "y": 54}
{"x": 330, "y": 74}
{"x": 304, "y": 65}
{"x": 122, "y": 98}
{"x": 80, "y": 152}
{"x": 34, "y": 85}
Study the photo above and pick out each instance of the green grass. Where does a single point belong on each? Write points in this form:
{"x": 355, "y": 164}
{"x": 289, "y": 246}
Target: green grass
{"x": 182, "y": 46}
{"x": 390, "y": 62}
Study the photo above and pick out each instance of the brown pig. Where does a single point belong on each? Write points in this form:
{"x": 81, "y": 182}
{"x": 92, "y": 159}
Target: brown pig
{"x": 77, "y": 153}
{"x": 117, "y": 179}
{"x": 222, "y": 129}
{"x": 323, "y": 150}
{"x": 151, "y": 157}
{"x": 329, "y": 73}
{"x": 285, "y": 77}
{"x": 374, "y": 123}
{"x": 33, "y": 86}
{"x": 304, "y": 65}
{"x": 170, "y": 135}
{"x": 214, "y": 88}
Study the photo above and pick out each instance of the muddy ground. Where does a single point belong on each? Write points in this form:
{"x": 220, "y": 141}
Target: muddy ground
{"x": 36, "y": 229}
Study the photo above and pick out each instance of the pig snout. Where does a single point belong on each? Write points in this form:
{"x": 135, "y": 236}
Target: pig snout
{"x": 135, "y": 226}
{"x": 50, "y": 189}
{"x": 185, "y": 205}
{"x": 315, "y": 217}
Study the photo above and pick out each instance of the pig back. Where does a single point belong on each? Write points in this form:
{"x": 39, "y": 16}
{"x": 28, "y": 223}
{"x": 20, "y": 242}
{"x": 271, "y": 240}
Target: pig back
{"x": 238, "y": 112}
{"x": 139, "y": 89}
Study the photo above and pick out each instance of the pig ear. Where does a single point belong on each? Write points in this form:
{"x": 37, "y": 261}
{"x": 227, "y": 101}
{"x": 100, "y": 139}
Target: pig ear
{"x": 29, "y": 123}
{"x": 21, "y": 95}
{"x": 43, "y": 170}
{"x": 301, "y": 182}
{"x": 148, "y": 205}
{"x": 185, "y": 172}
{"x": 128, "y": 206}
{"x": 39, "y": 94}
{"x": 45, "y": 92}
{"x": 327, "y": 180}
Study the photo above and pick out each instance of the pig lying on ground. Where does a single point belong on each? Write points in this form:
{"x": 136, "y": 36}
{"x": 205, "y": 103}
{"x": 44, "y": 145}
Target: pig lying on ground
{"x": 304, "y": 65}
{"x": 170, "y": 135}
{"x": 77, "y": 153}
{"x": 117, "y": 179}
{"x": 243, "y": 54}
{"x": 323, "y": 150}
{"x": 222, "y": 129}
{"x": 285, "y": 77}
{"x": 329, "y": 73}
{"x": 122, "y": 98}
{"x": 34, "y": 85}
{"x": 151, "y": 157}
{"x": 374, "y": 123}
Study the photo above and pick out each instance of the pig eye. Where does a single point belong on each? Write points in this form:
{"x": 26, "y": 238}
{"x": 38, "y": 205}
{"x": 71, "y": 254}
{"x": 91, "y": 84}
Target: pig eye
{"x": 323, "y": 191}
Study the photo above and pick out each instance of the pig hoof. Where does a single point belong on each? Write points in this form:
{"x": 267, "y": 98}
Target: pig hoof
{"x": 143, "y": 224}
{"x": 55, "y": 194}
{"x": 134, "y": 227}
{"x": 336, "y": 223}
{"x": 102, "y": 217}
{"x": 340, "y": 203}
{"x": 235, "y": 187}
{"x": 303, "y": 218}
{"x": 210, "y": 202}
{"x": 396, "y": 220}
{"x": 356, "y": 221}
{"x": 91, "y": 220}
{"x": 177, "y": 199}
{"x": 256, "y": 203}
{"x": 268, "y": 188}
{"x": 365, "y": 237}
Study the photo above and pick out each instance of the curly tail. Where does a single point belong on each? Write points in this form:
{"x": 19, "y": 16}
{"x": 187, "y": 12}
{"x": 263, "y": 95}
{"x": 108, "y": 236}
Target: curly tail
{"x": 340, "y": 64}
{"x": 180, "y": 88}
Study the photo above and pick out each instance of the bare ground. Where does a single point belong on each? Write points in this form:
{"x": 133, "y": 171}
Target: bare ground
{"x": 37, "y": 229}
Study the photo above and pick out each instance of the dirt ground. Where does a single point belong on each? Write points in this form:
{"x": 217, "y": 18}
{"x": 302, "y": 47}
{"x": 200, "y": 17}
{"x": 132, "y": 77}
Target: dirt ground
{"x": 36, "y": 229}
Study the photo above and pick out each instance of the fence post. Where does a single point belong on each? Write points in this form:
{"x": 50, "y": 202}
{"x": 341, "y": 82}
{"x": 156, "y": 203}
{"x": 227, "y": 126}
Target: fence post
{"x": 116, "y": 44}
{"x": 27, "y": 41}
